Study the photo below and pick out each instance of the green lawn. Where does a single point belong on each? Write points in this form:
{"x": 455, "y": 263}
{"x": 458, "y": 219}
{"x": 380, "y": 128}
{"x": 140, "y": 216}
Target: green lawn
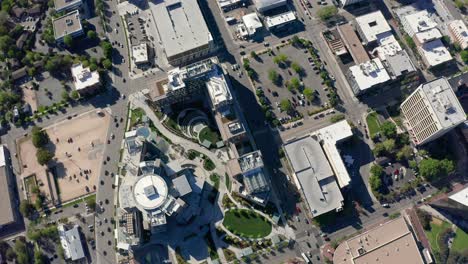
{"x": 433, "y": 234}
{"x": 373, "y": 123}
{"x": 247, "y": 223}
{"x": 460, "y": 242}
{"x": 136, "y": 116}
{"x": 208, "y": 134}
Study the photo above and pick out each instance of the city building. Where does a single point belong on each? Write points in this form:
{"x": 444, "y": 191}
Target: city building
{"x": 256, "y": 186}
{"x": 334, "y": 41}
{"x": 349, "y": 2}
{"x": 423, "y": 30}
{"x": 318, "y": 170}
{"x": 432, "y": 110}
{"x": 71, "y": 242}
{"x": 67, "y": 5}
{"x": 220, "y": 94}
{"x": 183, "y": 30}
{"x": 281, "y": 21}
{"x": 140, "y": 54}
{"x": 251, "y": 24}
{"x": 8, "y": 215}
{"x": 85, "y": 80}
{"x": 372, "y": 26}
{"x": 459, "y": 33}
{"x": 226, "y": 5}
{"x": 266, "y": 5}
{"x": 388, "y": 243}
{"x": 353, "y": 44}
{"x": 69, "y": 24}
{"x": 367, "y": 75}
{"x": 455, "y": 204}
{"x": 399, "y": 64}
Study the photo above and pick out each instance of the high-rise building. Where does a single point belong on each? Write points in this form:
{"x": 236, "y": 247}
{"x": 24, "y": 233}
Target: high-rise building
{"x": 432, "y": 110}
{"x": 349, "y": 2}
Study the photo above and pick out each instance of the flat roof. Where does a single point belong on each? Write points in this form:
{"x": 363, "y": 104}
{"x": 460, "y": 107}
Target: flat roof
{"x": 273, "y": 21}
{"x": 67, "y": 24}
{"x": 158, "y": 195}
{"x": 84, "y": 77}
{"x": 428, "y": 35}
{"x": 218, "y": 89}
{"x": 62, "y": 4}
{"x": 369, "y": 74}
{"x": 71, "y": 242}
{"x": 443, "y": 102}
{"x": 400, "y": 63}
{"x": 182, "y": 185}
{"x": 387, "y": 46}
{"x": 372, "y": 25}
{"x": 264, "y": 5}
{"x": 7, "y": 216}
{"x": 460, "y": 196}
{"x": 388, "y": 243}
{"x": 181, "y": 25}
{"x": 420, "y": 21}
{"x": 315, "y": 175}
{"x": 140, "y": 53}
{"x": 435, "y": 52}
{"x": 252, "y": 22}
{"x": 353, "y": 44}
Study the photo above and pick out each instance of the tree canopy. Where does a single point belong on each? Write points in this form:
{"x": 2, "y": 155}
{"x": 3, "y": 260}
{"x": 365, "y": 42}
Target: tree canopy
{"x": 273, "y": 76}
{"x": 309, "y": 94}
{"x": 388, "y": 129}
{"x": 68, "y": 40}
{"x": 433, "y": 169}
{"x": 285, "y": 105}
{"x": 43, "y": 156}
{"x": 327, "y": 12}
{"x": 26, "y": 208}
{"x": 39, "y": 137}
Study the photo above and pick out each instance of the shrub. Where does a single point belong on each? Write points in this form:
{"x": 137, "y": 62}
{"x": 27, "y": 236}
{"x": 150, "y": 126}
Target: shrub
{"x": 43, "y": 156}
{"x": 39, "y": 137}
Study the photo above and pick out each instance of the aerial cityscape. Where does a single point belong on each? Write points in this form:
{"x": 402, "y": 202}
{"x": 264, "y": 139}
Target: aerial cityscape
{"x": 234, "y": 131}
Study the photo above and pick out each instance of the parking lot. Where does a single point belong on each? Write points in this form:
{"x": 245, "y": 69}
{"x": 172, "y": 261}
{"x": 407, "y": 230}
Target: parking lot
{"x": 274, "y": 93}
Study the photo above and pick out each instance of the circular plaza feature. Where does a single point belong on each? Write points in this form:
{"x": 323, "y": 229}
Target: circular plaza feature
{"x": 150, "y": 192}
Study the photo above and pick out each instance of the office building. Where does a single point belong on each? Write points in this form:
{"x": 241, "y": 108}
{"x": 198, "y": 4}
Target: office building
{"x": 71, "y": 243}
{"x": 432, "y": 110}
{"x": 349, "y": 2}
{"x": 372, "y": 26}
{"x": 388, "y": 243}
{"x": 183, "y": 30}
{"x": 459, "y": 33}
{"x": 8, "y": 215}
{"x": 318, "y": 170}
{"x": 67, "y": 5}
{"x": 281, "y": 21}
{"x": 140, "y": 54}
{"x": 352, "y": 43}
{"x": 267, "y": 5}
{"x": 69, "y": 24}
{"x": 251, "y": 24}
{"x": 367, "y": 75}
{"x": 220, "y": 94}
{"x": 85, "y": 80}
{"x": 399, "y": 64}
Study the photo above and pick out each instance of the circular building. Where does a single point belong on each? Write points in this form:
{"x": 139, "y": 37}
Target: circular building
{"x": 150, "y": 192}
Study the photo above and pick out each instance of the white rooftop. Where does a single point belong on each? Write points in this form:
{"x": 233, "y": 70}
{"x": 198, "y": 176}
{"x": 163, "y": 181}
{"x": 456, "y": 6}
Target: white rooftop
{"x": 435, "y": 53}
{"x": 71, "y": 242}
{"x": 460, "y": 29}
{"x": 387, "y": 46}
{"x": 420, "y": 21}
{"x": 252, "y": 23}
{"x": 140, "y": 53}
{"x": 373, "y": 25}
{"x": 2, "y": 156}
{"x": 150, "y": 192}
{"x": 84, "y": 77}
{"x": 428, "y": 35}
{"x": 180, "y": 25}
{"x": 264, "y": 5}
{"x": 369, "y": 73}
{"x": 218, "y": 89}
{"x": 460, "y": 197}
{"x": 443, "y": 102}
{"x": 280, "y": 19}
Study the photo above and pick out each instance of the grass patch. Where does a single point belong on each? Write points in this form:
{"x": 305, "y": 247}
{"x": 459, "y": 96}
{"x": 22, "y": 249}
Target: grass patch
{"x": 208, "y": 134}
{"x": 337, "y": 118}
{"x": 437, "y": 227}
{"x": 215, "y": 178}
{"x": 373, "y": 124}
{"x": 247, "y": 223}
{"x": 136, "y": 116}
{"x": 208, "y": 164}
{"x": 228, "y": 182}
{"x": 460, "y": 242}
{"x": 192, "y": 154}
{"x": 29, "y": 184}
{"x": 86, "y": 199}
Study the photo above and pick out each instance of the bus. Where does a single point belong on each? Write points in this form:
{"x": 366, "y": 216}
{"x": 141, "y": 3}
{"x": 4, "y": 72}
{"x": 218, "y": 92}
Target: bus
{"x": 306, "y": 259}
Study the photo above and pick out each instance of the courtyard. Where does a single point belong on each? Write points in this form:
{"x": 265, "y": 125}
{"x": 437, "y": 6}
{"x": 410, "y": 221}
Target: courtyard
{"x": 78, "y": 143}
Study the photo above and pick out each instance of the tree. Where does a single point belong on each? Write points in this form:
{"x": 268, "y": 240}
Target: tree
{"x": 296, "y": 41}
{"x": 75, "y": 95}
{"x": 389, "y": 145}
{"x": 65, "y": 95}
{"x": 91, "y": 204}
{"x": 410, "y": 42}
{"x": 39, "y": 137}
{"x": 294, "y": 84}
{"x": 309, "y": 94}
{"x": 425, "y": 218}
{"x": 432, "y": 169}
{"x": 26, "y": 208}
{"x": 5, "y": 43}
{"x": 10, "y": 254}
{"x": 280, "y": 59}
{"x": 388, "y": 129}
{"x": 460, "y": 4}
{"x": 39, "y": 258}
{"x": 253, "y": 55}
{"x": 297, "y": 68}
{"x": 464, "y": 56}
{"x": 43, "y": 156}
{"x": 273, "y": 76}
{"x": 379, "y": 150}
{"x": 22, "y": 252}
{"x": 405, "y": 153}
{"x": 327, "y": 12}
{"x": 107, "y": 49}
{"x": 285, "y": 105}
{"x": 91, "y": 34}
{"x": 68, "y": 40}
{"x": 376, "y": 170}
{"x": 107, "y": 64}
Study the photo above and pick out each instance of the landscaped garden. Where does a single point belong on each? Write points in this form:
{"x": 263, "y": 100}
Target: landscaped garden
{"x": 246, "y": 223}
{"x": 437, "y": 227}
{"x": 373, "y": 124}
{"x": 208, "y": 134}
{"x": 460, "y": 243}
